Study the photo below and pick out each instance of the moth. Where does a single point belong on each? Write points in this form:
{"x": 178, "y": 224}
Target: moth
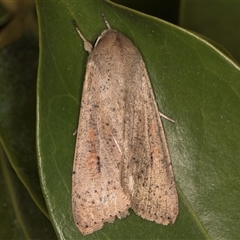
{"x": 121, "y": 157}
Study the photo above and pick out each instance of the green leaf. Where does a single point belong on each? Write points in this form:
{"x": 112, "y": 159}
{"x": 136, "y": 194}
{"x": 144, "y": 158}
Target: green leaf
{"x": 18, "y": 73}
{"x": 22, "y": 200}
{"x": 194, "y": 83}
{"x": 20, "y": 217}
{"x": 167, "y": 10}
{"x": 217, "y": 20}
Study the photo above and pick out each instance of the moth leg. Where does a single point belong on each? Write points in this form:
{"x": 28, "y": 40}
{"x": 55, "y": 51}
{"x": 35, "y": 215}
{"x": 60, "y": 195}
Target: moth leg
{"x": 166, "y": 117}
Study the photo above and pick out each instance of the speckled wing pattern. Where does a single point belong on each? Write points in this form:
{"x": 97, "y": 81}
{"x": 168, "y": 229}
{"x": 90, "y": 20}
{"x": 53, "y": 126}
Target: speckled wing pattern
{"x": 147, "y": 173}
{"x": 121, "y": 156}
{"x": 97, "y": 194}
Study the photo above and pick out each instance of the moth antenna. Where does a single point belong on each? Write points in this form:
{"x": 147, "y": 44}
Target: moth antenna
{"x": 87, "y": 44}
{"x": 105, "y": 20}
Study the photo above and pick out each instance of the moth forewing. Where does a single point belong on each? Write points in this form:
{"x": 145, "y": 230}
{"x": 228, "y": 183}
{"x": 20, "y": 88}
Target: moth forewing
{"x": 147, "y": 173}
{"x": 97, "y": 194}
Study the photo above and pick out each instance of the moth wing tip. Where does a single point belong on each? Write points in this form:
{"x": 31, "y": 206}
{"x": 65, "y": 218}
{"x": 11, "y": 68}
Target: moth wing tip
{"x": 88, "y": 230}
{"x": 167, "y": 218}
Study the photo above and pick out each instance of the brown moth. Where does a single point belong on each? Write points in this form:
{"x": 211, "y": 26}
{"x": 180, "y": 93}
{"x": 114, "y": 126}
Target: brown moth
{"x": 121, "y": 156}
